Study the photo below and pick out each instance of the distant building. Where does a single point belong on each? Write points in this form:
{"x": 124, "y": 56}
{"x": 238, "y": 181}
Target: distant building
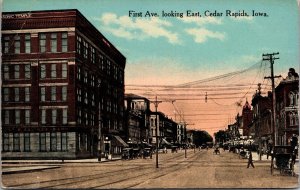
{"x": 62, "y": 87}
{"x": 246, "y": 118}
{"x": 287, "y": 99}
{"x": 137, "y": 117}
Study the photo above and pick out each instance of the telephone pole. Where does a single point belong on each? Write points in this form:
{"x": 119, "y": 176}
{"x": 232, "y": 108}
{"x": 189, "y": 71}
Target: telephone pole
{"x": 270, "y": 57}
{"x": 156, "y": 123}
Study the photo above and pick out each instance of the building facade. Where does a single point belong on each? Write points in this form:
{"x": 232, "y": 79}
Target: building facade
{"x": 261, "y": 123}
{"x": 137, "y": 116}
{"x": 247, "y": 118}
{"x": 62, "y": 87}
{"x": 287, "y": 99}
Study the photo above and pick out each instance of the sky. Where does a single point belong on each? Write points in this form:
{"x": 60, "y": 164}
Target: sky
{"x": 173, "y": 57}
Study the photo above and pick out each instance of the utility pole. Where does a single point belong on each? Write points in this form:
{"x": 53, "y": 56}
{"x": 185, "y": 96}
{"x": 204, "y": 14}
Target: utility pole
{"x": 156, "y": 130}
{"x": 271, "y": 58}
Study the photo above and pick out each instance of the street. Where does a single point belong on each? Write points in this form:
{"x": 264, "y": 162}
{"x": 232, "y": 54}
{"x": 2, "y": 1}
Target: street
{"x": 201, "y": 169}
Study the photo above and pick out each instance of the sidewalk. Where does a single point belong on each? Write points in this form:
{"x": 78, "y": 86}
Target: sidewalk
{"x": 11, "y": 166}
{"x": 92, "y": 160}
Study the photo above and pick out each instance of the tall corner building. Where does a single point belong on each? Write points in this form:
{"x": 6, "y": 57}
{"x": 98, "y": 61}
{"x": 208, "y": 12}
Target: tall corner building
{"x": 62, "y": 87}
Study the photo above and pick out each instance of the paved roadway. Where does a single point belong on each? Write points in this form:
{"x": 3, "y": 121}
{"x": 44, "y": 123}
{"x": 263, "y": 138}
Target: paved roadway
{"x": 201, "y": 169}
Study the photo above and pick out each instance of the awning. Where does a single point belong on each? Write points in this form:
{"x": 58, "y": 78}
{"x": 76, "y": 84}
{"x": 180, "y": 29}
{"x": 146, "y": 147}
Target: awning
{"x": 164, "y": 141}
{"x": 118, "y": 141}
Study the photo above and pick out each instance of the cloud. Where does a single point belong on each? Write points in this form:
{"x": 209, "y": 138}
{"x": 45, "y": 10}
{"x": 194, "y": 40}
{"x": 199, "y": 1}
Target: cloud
{"x": 125, "y": 27}
{"x": 201, "y": 35}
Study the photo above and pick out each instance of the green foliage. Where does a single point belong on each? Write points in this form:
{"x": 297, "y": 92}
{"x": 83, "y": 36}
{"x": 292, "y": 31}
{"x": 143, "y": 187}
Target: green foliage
{"x": 201, "y": 137}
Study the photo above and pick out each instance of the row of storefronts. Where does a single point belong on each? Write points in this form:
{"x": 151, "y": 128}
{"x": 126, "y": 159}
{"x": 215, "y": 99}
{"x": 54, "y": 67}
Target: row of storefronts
{"x": 255, "y": 124}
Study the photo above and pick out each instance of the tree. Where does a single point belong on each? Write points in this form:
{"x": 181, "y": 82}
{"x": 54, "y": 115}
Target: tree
{"x": 201, "y": 137}
{"x": 220, "y": 136}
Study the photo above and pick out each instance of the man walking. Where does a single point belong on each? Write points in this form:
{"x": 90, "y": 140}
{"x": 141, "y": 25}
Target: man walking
{"x": 250, "y": 161}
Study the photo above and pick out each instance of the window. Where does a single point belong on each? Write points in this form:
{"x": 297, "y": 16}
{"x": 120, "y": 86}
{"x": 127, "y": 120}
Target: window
{"x": 93, "y": 100}
{"x": 5, "y": 142}
{"x": 17, "y": 116}
{"x": 101, "y": 62}
{"x": 54, "y": 116}
{"x": 65, "y": 116}
{"x": 26, "y": 142}
{"x": 86, "y": 119}
{"x": 53, "y": 42}
{"x": 42, "y": 43}
{"x": 43, "y": 94}
{"x": 64, "y": 142}
{"x": 53, "y": 142}
{"x": 27, "y": 71}
{"x": 79, "y": 116}
{"x": 5, "y": 94}
{"x": 6, "y": 117}
{"x": 79, "y": 73}
{"x": 27, "y": 94}
{"x": 86, "y": 98}
{"x": 6, "y": 72}
{"x": 85, "y": 76}
{"x": 16, "y": 142}
{"x": 43, "y": 118}
{"x": 93, "y": 55}
{"x": 17, "y": 94}
{"x": 17, "y": 72}
{"x": 64, "y": 42}
{"x": 43, "y": 142}
{"x": 79, "y": 95}
{"x": 53, "y": 70}
{"x": 85, "y": 49}
{"x": 17, "y": 44}
{"x": 79, "y": 41}
{"x": 64, "y": 93}
{"x": 43, "y": 71}
{"x": 53, "y": 93}
{"x": 27, "y": 117}
{"x": 108, "y": 67}
{"x": 64, "y": 70}
{"x": 92, "y": 80}
{"x": 6, "y": 44}
{"x": 27, "y": 43}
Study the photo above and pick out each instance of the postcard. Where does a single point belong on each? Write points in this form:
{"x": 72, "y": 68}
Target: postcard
{"x": 112, "y": 94}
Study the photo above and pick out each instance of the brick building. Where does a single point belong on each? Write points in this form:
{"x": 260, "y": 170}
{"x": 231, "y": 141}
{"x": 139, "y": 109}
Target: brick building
{"x": 247, "y": 118}
{"x": 261, "y": 123}
{"x": 287, "y": 99}
{"x": 137, "y": 116}
{"x": 62, "y": 87}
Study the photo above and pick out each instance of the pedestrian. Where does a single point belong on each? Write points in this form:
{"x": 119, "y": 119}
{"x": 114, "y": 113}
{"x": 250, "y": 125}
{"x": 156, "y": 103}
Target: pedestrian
{"x": 250, "y": 160}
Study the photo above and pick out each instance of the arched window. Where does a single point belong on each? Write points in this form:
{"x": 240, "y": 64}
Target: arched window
{"x": 291, "y": 117}
{"x": 296, "y": 96}
{"x": 291, "y": 97}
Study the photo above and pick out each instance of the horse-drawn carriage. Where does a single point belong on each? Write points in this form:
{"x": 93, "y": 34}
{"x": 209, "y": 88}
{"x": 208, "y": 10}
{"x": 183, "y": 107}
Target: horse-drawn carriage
{"x": 283, "y": 159}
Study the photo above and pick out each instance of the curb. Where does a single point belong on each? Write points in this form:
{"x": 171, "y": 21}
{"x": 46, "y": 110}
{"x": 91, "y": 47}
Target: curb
{"x": 56, "y": 162}
{"x": 24, "y": 169}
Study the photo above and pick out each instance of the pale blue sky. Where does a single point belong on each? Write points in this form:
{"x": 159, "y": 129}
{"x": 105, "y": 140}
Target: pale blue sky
{"x": 181, "y": 47}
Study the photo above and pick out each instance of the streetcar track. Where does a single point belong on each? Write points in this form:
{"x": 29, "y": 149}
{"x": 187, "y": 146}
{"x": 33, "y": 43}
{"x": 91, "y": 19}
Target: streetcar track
{"x": 166, "y": 172}
{"x": 80, "y": 179}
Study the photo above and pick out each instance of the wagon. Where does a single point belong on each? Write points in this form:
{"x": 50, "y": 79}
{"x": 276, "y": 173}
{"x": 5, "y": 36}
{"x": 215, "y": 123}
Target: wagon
{"x": 282, "y": 160}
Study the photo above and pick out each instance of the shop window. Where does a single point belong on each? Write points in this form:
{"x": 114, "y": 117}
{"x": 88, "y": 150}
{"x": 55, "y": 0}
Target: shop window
{"x": 43, "y": 142}
{"x": 26, "y": 142}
